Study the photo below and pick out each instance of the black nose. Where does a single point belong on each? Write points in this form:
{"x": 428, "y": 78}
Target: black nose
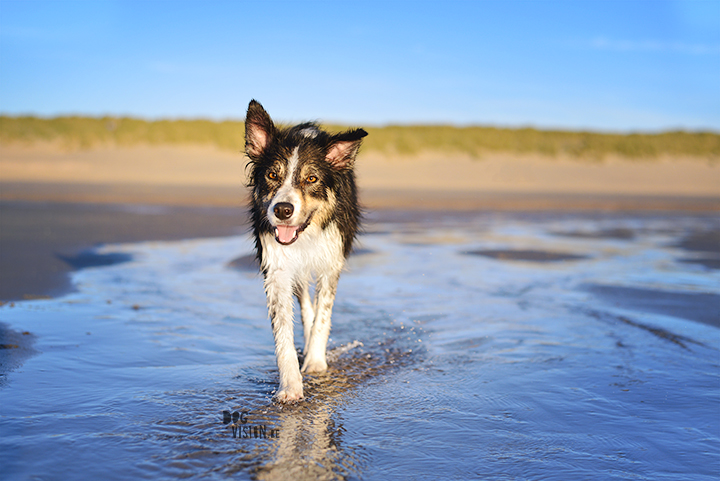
{"x": 283, "y": 210}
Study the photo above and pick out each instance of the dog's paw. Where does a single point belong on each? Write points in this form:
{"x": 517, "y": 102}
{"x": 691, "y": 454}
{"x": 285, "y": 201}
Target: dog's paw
{"x": 314, "y": 365}
{"x": 289, "y": 395}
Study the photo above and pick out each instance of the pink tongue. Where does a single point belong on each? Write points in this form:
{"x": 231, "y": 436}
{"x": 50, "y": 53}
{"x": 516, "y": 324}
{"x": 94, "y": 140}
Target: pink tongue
{"x": 286, "y": 233}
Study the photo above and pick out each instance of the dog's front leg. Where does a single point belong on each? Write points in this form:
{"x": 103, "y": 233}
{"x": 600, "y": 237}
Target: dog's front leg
{"x": 315, "y": 357}
{"x": 280, "y": 307}
{"x": 307, "y": 309}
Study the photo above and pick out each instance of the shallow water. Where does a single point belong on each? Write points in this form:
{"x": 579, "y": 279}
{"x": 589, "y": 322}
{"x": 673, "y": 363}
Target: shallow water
{"x": 464, "y": 347}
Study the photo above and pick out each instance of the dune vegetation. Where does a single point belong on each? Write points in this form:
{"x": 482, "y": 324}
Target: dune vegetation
{"x": 77, "y": 133}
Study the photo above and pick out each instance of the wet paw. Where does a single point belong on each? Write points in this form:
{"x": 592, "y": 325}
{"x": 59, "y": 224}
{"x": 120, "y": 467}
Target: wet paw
{"x": 314, "y": 365}
{"x": 289, "y": 395}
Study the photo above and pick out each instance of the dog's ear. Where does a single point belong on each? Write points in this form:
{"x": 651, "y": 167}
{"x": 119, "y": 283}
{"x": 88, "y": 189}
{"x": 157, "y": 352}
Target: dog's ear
{"x": 259, "y": 130}
{"x": 343, "y": 148}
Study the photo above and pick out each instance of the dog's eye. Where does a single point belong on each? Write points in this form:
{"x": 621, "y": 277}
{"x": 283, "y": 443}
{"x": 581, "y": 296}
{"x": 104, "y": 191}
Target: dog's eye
{"x": 312, "y": 179}
{"x": 272, "y": 176}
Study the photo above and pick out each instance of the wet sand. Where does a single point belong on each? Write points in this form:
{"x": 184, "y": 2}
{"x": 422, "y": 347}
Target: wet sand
{"x": 42, "y": 242}
{"x": 15, "y": 348}
{"x": 373, "y": 198}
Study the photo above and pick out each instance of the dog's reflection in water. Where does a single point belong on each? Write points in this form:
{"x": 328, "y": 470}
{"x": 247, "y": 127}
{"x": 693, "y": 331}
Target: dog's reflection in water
{"x": 305, "y": 440}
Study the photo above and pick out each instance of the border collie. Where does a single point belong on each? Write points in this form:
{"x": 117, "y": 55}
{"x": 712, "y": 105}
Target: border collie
{"x": 305, "y": 217}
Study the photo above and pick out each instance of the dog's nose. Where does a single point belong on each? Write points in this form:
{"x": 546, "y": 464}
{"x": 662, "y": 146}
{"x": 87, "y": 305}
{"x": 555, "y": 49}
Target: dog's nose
{"x": 283, "y": 210}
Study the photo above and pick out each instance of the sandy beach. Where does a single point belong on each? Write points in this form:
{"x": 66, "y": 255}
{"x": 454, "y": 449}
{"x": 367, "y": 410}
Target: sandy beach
{"x": 196, "y": 175}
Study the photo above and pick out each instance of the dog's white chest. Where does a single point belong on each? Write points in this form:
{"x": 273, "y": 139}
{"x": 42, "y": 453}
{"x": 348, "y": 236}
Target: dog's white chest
{"x": 316, "y": 251}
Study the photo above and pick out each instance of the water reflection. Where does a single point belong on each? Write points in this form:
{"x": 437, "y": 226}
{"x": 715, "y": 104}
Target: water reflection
{"x": 309, "y": 444}
{"x": 305, "y": 440}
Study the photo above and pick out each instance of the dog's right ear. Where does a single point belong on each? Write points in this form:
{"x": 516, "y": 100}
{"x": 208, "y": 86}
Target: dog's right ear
{"x": 259, "y": 130}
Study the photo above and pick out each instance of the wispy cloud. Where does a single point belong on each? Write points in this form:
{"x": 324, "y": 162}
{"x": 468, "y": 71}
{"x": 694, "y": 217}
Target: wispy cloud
{"x": 602, "y": 43}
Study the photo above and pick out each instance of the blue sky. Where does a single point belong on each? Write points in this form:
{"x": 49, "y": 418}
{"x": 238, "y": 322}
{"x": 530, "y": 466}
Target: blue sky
{"x": 607, "y": 65}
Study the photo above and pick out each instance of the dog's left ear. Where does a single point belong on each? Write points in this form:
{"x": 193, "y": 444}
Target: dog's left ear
{"x": 343, "y": 148}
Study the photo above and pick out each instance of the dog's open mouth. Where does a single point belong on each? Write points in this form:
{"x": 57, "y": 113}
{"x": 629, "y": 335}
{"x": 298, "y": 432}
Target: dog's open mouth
{"x": 287, "y": 234}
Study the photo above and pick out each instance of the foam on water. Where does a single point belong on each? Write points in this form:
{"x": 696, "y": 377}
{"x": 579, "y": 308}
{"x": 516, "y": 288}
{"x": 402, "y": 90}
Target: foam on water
{"x": 445, "y": 363}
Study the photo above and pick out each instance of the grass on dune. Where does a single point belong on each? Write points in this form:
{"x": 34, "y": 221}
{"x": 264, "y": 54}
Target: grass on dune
{"x": 86, "y": 132}
{"x": 477, "y": 140}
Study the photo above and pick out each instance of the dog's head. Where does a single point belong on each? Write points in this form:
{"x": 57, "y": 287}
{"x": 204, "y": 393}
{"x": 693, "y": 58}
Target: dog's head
{"x": 295, "y": 172}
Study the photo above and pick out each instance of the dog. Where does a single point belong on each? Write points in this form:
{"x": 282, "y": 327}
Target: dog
{"x": 305, "y": 217}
